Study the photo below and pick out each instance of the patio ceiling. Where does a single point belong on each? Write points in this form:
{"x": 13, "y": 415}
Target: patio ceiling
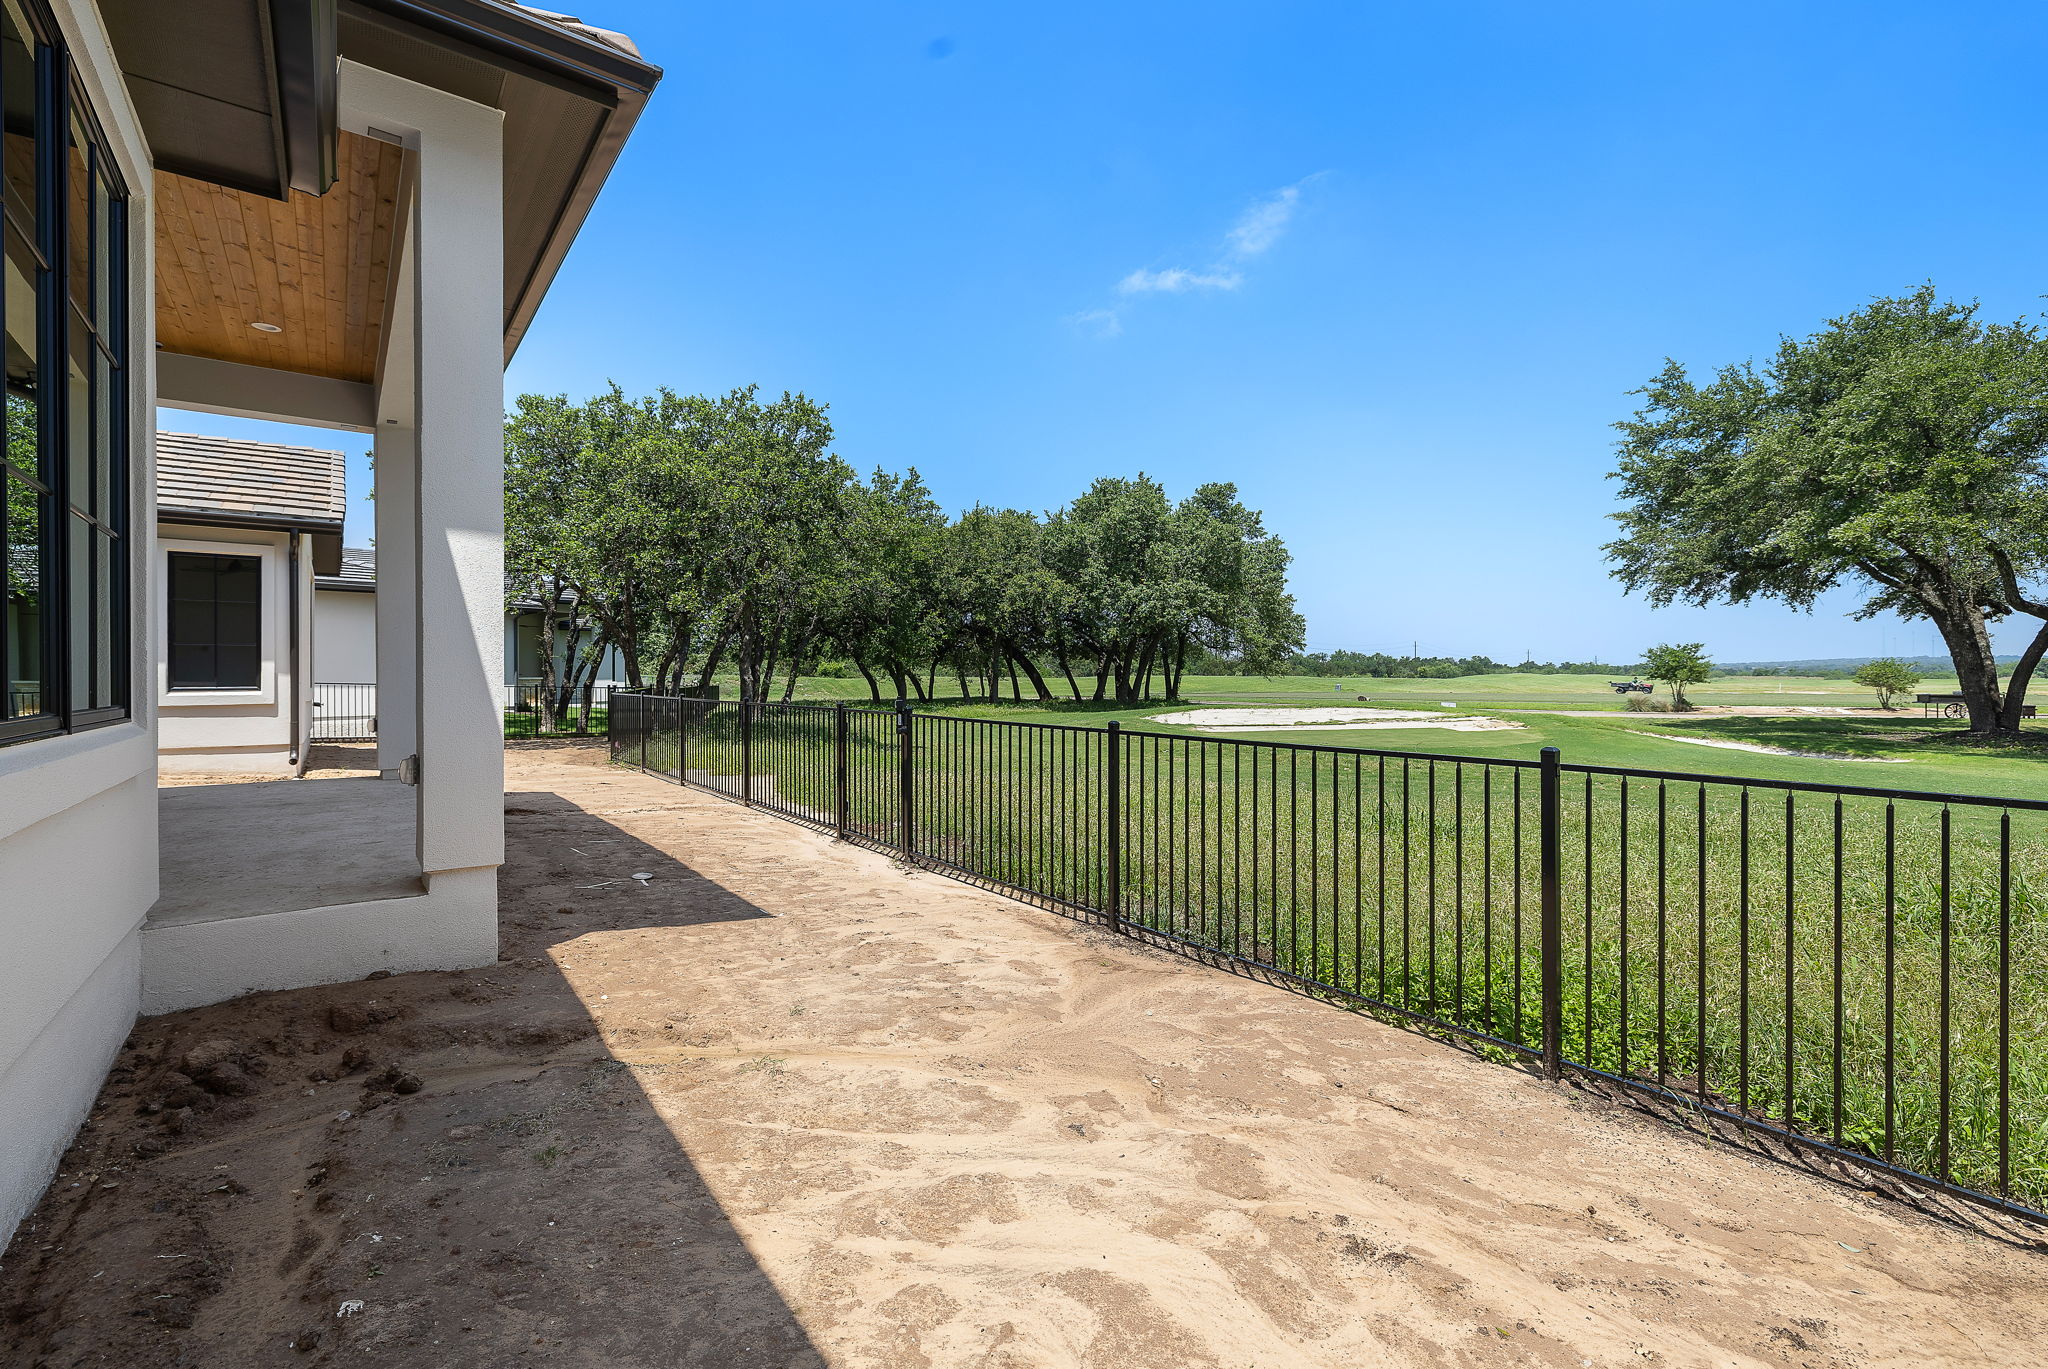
{"x": 317, "y": 268}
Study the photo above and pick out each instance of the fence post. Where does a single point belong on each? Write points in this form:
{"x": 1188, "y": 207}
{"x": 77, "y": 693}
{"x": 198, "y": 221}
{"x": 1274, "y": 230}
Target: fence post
{"x": 746, "y": 751}
{"x": 905, "y": 834}
{"x": 1114, "y": 803}
{"x": 839, "y": 768}
{"x": 1549, "y": 843}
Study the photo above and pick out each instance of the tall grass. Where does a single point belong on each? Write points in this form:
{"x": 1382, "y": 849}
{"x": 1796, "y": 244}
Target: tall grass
{"x": 1856, "y": 969}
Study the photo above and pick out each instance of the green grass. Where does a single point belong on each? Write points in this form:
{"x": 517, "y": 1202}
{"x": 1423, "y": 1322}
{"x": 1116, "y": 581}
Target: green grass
{"x": 1939, "y": 754}
{"x": 525, "y": 726}
{"x": 1409, "y": 882}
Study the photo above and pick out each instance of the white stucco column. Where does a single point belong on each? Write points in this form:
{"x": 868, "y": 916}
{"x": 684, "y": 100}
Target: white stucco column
{"x": 396, "y": 465}
{"x": 453, "y": 267}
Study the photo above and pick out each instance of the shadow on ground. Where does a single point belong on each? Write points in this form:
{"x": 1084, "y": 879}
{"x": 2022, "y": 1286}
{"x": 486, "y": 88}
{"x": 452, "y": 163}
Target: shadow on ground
{"x": 439, "y": 1168}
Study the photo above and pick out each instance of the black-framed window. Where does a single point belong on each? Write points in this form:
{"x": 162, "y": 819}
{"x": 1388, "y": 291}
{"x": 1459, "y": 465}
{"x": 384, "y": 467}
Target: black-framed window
{"x": 215, "y": 626}
{"x": 64, "y": 621}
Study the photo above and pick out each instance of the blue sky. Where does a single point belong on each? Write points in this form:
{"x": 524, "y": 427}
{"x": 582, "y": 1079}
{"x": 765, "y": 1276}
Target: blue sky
{"x": 1392, "y": 268}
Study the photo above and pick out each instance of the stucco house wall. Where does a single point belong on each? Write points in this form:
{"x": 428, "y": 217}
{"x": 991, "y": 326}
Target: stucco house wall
{"x": 78, "y": 835}
{"x": 344, "y": 637}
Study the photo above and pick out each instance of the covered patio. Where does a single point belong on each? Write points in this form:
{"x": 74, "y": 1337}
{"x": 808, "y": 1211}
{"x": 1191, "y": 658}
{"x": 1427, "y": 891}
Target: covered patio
{"x": 375, "y": 280}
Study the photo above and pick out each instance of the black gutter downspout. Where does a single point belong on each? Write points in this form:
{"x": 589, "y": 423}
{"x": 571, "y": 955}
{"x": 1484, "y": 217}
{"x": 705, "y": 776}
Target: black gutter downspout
{"x": 297, "y": 759}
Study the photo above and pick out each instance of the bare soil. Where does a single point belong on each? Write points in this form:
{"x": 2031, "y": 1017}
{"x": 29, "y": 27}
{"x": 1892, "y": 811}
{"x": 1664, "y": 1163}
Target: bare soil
{"x": 787, "y": 1104}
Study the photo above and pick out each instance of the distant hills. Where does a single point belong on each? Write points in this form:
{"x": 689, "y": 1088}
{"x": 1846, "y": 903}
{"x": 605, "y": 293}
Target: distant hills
{"x": 1932, "y": 665}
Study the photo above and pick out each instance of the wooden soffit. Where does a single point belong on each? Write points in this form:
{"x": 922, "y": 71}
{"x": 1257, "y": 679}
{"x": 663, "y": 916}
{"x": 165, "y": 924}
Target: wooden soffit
{"x": 316, "y": 267}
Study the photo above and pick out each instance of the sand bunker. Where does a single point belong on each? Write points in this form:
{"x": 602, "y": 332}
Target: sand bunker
{"x": 1775, "y": 750}
{"x": 1328, "y": 720}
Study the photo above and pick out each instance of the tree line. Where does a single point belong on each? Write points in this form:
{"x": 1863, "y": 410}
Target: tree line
{"x": 707, "y": 535}
{"x": 1380, "y": 665}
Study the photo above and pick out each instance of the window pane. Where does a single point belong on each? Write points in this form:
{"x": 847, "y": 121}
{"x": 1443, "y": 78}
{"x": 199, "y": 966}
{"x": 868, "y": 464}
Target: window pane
{"x": 18, "y": 96}
{"x": 78, "y": 436}
{"x": 18, "y": 286}
{"x": 216, "y": 629}
{"x": 76, "y": 588}
{"x": 78, "y": 213}
{"x": 104, "y": 274}
{"x": 104, "y": 463}
{"x": 21, "y": 629}
{"x": 107, "y": 686}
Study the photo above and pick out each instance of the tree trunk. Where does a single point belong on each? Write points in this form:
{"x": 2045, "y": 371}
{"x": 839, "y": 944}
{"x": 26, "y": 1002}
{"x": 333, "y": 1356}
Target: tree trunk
{"x": 545, "y": 640}
{"x": 1969, "y": 646}
{"x": 713, "y": 657}
{"x": 750, "y": 661}
{"x": 874, "y": 685}
{"x": 1038, "y": 686}
{"x": 1067, "y": 669}
{"x": 2010, "y": 712}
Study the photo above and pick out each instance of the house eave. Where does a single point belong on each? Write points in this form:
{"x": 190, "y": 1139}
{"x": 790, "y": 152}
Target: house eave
{"x": 514, "y": 39}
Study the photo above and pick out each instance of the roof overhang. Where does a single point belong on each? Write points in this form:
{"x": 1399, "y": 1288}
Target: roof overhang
{"x": 238, "y": 99}
{"x": 569, "y": 98}
{"x": 239, "y": 93}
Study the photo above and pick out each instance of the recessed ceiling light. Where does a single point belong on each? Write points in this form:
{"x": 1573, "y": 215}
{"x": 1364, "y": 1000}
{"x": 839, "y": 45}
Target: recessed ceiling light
{"x": 266, "y": 328}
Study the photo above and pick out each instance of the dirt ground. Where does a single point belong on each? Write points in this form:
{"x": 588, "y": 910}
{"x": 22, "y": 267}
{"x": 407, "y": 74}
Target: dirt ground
{"x": 785, "y": 1104}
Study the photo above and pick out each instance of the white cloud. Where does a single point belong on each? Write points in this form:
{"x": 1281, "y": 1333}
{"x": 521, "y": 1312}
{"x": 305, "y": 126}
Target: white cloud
{"x": 1103, "y": 322}
{"x": 1260, "y": 226}
{"x": 1176, "y": 281}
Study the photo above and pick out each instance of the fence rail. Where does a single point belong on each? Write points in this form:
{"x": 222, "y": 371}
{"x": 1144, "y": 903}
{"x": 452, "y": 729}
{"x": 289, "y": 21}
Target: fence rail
{"x": 1861, "y": 972}
{"x": 348, "y": 712}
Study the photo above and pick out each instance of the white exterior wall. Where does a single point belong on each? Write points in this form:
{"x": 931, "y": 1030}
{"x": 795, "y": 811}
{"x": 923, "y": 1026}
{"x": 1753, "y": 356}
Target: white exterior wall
{"x": 78, "y": 831}
{"x": 239, "y": 730}
{"x": 524, "y": 628}
{"x": 344, "y": 637}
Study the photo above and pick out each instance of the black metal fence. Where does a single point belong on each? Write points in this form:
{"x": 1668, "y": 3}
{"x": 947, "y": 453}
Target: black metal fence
{"x": 533, "y": 710}
{"x": 1858, "y": 972}
{"x": 344, "y": 713}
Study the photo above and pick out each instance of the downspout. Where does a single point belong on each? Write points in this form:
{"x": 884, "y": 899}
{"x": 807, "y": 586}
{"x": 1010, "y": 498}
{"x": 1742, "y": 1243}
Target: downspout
{"x": 297, "y": 759}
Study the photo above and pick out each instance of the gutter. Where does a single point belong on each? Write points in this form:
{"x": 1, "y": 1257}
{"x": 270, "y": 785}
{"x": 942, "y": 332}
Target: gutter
{"x": 297, "y": 759}
{"x": 269, "y": 522}
{"x": 305, "y": 43}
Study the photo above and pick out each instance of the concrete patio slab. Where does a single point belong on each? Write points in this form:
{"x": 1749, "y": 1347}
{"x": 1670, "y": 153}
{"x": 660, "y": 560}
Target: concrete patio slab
{"x": 242, "y": 850}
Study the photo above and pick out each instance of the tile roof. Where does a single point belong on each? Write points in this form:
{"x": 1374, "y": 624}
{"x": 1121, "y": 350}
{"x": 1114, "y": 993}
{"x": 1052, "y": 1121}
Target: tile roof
{"x": 589, "y": 32}
{"x": 358, "y": 571}
{"x": 227, "y": 476}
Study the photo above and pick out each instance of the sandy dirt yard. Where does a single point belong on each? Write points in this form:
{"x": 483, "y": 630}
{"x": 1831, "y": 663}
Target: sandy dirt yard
{"x": 785, "y": 1104}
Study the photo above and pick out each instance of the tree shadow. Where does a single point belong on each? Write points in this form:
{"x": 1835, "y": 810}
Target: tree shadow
{"x": 471, "y": 1156}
